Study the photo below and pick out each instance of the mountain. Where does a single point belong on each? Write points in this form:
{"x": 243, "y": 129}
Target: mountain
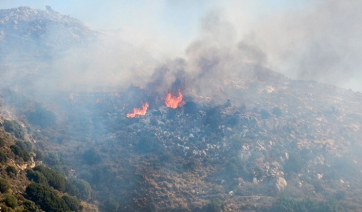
{"x": 30, "y": 32}
{"x": 231, "y": 136}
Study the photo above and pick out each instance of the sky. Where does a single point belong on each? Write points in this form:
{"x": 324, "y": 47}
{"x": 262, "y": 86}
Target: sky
{"x": 302, "y": 39}
{"x": 173, "y": 21}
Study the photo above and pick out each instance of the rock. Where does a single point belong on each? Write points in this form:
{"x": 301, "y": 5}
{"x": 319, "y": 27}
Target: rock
{"x": 280, "y": 183}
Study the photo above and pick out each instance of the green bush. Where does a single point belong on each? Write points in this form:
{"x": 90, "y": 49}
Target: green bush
{"x": 91, "y": 156}
{"x": 11, "y": 171}
{"x": 36, "y": 176}
{"x": 30, "y": 206}
{"x": 47, "y": 199}
{"x": 4, "y": 185}
{"x": 2, "y": 142}
{"x": 10, "y": 201}
{"x": 290, "y": 205}
{"x": 14, "y": 128}
{"x": 55, "y": 180}
{"x": 85, "y": 190}
{"x": 213, "y": 206}
{"x": 38, "y": 155}
{"x": 19, "y": 152}
{"x": 110, "y": 205}
{"x": 72, "y": 202}
{"x": 3, "y": 157}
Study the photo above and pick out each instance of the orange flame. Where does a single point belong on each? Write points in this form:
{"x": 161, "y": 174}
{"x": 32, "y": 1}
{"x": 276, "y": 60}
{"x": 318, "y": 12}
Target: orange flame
{"x": 138, "y": 112}
{"x": 174, "y": 101}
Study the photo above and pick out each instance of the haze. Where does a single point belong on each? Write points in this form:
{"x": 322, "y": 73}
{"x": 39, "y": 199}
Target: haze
{"x": 312, "y": 40}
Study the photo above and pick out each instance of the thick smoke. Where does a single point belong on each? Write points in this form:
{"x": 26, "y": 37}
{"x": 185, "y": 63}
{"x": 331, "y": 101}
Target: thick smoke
{"x": 319, "y": 41}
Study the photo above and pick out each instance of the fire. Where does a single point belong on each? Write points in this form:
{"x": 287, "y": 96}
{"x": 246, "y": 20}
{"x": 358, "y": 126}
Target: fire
{"x": 174, "y": 101}
{"x": 138, "y": 112}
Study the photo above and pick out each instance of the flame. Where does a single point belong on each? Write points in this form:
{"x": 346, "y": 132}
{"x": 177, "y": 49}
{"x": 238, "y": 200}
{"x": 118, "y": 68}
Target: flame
{"x": 174, "y": 101}
{"x": 138, "y": 112}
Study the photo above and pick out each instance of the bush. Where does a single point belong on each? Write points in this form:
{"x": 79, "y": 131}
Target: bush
{"x": 213, "y": 206}
{"x": 41, "y": 117}
{"x": 2, "y": 142}
{"x": 288, "y": 205}
{"x": 277, "y": 111}
{"x": 30, "y": 206}
{"x": 264, "y": 114}
{"x": 72, "y": 202}
{"x": 84, "y": 188}
{"x": 36, "y": 176}
{"x": 55, "y": 180}
{"x": 19, "y": 152}
{"x": 14, "y": 128}
{"x": 3, "y": 157}
{"x": 4, "y": 185}
{"x": 38, "y": 155}
{"x": 11, "y": 171}
{"x": 91, "y": 156}
{"x": 110, "y": 205}
{"x": 47, "y": 199}
{"x": 10, "y": 201}
{"x": 295, "y": 163}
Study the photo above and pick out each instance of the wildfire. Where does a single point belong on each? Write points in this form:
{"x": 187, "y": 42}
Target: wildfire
{"x": 174, "y": 101}
{"x": 138, "y": 112}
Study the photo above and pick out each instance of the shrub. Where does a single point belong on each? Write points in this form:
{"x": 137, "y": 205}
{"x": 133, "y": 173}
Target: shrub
{"x": 264, "y": 114}
{"x": 4, "y": 185}
{"x": 213, "y": 206}
{"x": 2, "y": 142}
{"x": 91, "y": 156}
{"x": 10, "y": 201}
{"x": 277, "y": 111}
{"x": 287, "y": 204}
{"x": 47, "y": 199}
{"x": 110, "y": 205}
{"x": 84, "y": 188}
{"x": 38, "y": 155}
{"x": 36, "y": 176}
{"x": 295, "y": 163}
{"x": 14, "y": 128}
{"x": 72, "y": 202}
{"x": 30, "y": 206}
{"x": 11, "y": 171}
{"x": 19, "y": 152}
{"x": 55, "y": 180}
{"x": 3, "y": 157}
{"x": 41, "y": 117}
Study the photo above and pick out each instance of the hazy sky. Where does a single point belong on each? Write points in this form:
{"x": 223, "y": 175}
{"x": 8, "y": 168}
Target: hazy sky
{"x": 303, "y": 39}
{"x": 174, "y": 21}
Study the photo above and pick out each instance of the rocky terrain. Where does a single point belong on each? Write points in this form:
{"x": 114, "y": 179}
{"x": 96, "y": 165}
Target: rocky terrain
{"x": 260, "y": 142}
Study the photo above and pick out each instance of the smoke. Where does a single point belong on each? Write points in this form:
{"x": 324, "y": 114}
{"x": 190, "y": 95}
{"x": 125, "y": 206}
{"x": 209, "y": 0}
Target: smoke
{"x": 317, "y": 41}
{"x": 320, "y": 42}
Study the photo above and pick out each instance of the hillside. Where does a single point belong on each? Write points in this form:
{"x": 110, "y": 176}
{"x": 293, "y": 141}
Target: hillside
{"x": 244, "y": 139}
